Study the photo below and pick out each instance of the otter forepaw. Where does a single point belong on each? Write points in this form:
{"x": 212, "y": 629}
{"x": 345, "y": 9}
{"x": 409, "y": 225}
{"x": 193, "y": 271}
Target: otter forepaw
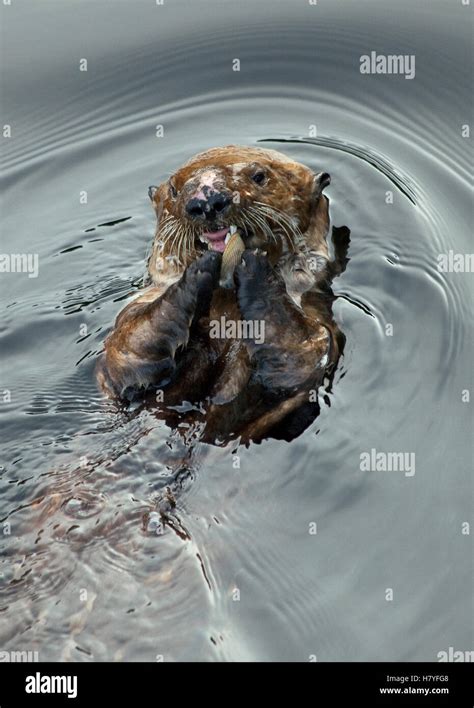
{"x": 254, "y": 264}
{"x": 209, "y": 262}
{"x": 258, "y": 286}
{"x": 142, "y": 351}
{"x": 289, "y": 346}
{"x": 202, "y": 277}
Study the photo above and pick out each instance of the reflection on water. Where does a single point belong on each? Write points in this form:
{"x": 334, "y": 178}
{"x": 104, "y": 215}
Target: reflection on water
{"x": 88, "y": 568}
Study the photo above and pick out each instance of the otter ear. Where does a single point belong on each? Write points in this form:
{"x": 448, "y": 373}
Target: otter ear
{"x": 152, "y": 191}
{"x": 320, "y": 181}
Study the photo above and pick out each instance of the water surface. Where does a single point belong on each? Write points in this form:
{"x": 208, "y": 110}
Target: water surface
{"x": 237, "y": 575}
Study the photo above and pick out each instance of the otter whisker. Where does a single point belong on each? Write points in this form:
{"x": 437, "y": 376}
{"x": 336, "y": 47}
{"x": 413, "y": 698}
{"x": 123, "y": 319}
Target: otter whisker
{"x": 189, "y": 243}
{"x": 290, "y": 229}
{"x": 266, "y": 214}
{"x": 166, "y": 219}
{"x": 262, "y": 217}
{"x": 167, "y": 228}
{"x": 249, "y": 222}
{"x": 166, "y": 224}
{"x": 282, "y": 217}
{"x": 240, "y": 221}
{"x": 169, "y": 233}
{"x": 184, "y": 242}
{"x": 262, "y": 223}
{"x": 182, "y": 247}
{"x": 177, "y": 249}
{"x": 177, "y": 240}
{"x": 181, "y": 244}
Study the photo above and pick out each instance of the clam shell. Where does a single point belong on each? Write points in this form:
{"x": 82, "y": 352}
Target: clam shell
{"x": 230, "y": 258}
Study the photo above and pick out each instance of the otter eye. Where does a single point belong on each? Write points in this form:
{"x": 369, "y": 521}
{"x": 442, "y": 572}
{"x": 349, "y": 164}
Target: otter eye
{"x": 173, "y": 190}
{"x": 258, "y": 177}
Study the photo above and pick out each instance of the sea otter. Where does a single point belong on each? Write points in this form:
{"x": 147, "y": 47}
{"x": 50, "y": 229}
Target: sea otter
{"x": 163, "y": 347}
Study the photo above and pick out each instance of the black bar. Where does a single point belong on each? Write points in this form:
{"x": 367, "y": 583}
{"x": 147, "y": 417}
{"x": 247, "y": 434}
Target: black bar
{"x": 325, "y": 684}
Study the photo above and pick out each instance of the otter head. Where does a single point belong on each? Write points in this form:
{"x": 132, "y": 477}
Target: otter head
{"x": 268, "y": 197}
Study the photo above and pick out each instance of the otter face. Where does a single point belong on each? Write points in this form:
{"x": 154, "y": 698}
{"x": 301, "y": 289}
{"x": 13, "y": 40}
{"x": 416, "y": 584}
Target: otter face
{"x": 265, "y": 195}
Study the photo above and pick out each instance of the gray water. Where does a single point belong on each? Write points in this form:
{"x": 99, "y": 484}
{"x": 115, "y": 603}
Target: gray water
{"x": 237, "y": 575}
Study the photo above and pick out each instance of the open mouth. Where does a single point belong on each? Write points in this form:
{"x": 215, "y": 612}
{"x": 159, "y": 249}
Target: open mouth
{"x": 217, "y": 240}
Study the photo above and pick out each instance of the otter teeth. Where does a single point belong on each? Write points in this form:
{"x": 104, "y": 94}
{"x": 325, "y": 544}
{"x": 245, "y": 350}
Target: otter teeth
{"x": 231, "y": 232}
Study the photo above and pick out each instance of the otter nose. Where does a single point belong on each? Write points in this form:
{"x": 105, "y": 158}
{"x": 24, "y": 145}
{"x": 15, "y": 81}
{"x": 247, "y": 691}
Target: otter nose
{"x": 215, "y": 204}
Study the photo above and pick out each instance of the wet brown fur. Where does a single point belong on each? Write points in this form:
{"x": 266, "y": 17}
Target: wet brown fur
{"x": 161, "y": 339}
